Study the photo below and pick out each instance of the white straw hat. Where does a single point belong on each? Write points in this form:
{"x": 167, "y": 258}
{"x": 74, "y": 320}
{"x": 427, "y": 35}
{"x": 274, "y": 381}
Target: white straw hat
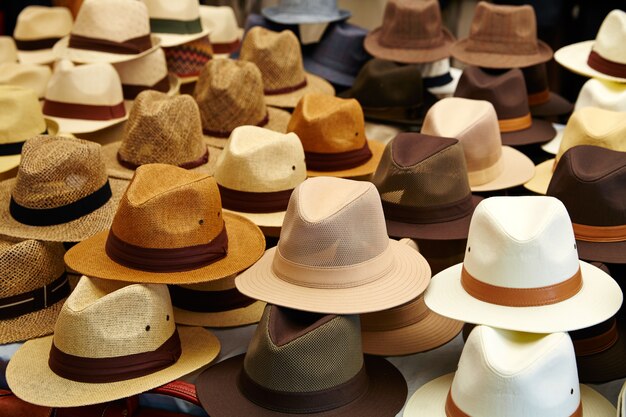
{"x": 37, "y": 29}
{"x": 32, "y": 76}
{"x": 147, "y": 73}
{"x": 176, "y": 22}
{"x": 225, "y": 32}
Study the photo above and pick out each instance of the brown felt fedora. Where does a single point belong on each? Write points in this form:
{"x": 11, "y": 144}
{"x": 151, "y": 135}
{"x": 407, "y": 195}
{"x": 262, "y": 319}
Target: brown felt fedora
{"x": 507, "y": 93}
{"x": 424, "y": 188}
{"x": 301, "y": 363}
{"x": 542, "y": 101}
{"x": 502, "y": 37}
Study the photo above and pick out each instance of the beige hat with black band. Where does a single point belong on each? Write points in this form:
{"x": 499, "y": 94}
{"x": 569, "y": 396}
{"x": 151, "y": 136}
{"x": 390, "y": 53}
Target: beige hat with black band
{"x": 37, "y": 29}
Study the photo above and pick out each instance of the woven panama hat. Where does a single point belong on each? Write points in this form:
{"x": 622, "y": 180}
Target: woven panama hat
{"x": 108, "y": 31}
{"x": 161, "y": 129}
{"x": 31, "y": 76}
{"x": 332, "y": 132}
{"x": 61, "y": 192}
{"x": 279, "y": 57}
{"x": 301, "y": 363}
{"x": 37, "y": 29}
{"x": 8, "y": 50}
{"x": 603, "y": 57}
{"x": 514, "y": 374}
{"x": 542, "y": 101}
{"x": 176, "y": 22}
{"x": 257, "y": 172}
{"x": 230, "y": 94}
{"x": 111, "y": 340}
{"x": 147, "y": 73}
{"x": 334, "y": 255}
{"x": 411, "y": 32}
{"x": 502, "y": 37}
{"x": 521, "y": 272}
{"x": 187, "y": 60}
{"x": 170, "y": 229}
{"x": 296, "y": 12}
{"x": 586, "y": 126}
{"x": 32, "y": 289}
{"x": 225, "y": 31}
{"x": 490, "y": 166}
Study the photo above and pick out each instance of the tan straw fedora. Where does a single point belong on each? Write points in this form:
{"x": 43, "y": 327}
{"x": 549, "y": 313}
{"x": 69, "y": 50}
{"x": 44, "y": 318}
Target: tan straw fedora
{"x": 147, "y": 73}
{"x": 37, "y": 29}
{"x": 31, "y": 76}
{"x": 279, "y": 57}
{"x": 176, "y": 22}
{"x": 160, "y": 129}
{"x": 169, "y": 228}
{"x": 111, "y": 340}
{"x": 230, "y": 94}
{"x": 61, "y": 193}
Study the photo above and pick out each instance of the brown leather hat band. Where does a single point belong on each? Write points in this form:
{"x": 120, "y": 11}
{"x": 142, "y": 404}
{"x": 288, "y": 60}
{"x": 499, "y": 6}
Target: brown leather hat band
{"x": 251, "y": 202}
{"x": 430, "y": 214}
{"x": 226, "y": 133}
{"x": 600, "y": 233}
{"x": 128, "y": 47}
{"x": 541, "y": 97}
{"x": 83, "y": 111}
{"x": 606, "y": 66}
{"x": 131, "y": 91}
{"x": 186, "y": 165}
{"x": 521, "y": 297}
{"x": 35, "y": 300}
{"x": 208, "y": 301}
{"x": 396, "y": 318}
{"x": 598, "y": 343}
{"x": 337, "y": 161}
{"x": 35, "y": 44}
{"x": 515, "y": 124}
{"x": 225, "y": 47}
{"x": 285, "y": 90}
{"x": 452, "y": 410}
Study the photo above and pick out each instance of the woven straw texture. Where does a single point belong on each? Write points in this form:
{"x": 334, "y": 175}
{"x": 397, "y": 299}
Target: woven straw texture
{"x": 188, "y": 59}
{"x": 114, "y": 20}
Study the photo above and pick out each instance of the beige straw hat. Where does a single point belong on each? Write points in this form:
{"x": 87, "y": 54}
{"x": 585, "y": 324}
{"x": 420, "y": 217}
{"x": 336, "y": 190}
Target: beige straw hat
{"x": 176, "y": 22}
{"x": 8, "y": 50}
{"x": 230, "y": 94}
{"x": 279, "y": 57}
{"x": 37, "y": 29}
{"x": 112, "y": 340}
{"x": 160, "y": 129}
{"x": 147, "y": 73}
{"x": 169, "y": 228}
{"x": 61, "y": 193}
{"x": 31, "y": 76}
{"x": 33, "y": 287}
{"x": 225, "y": 31}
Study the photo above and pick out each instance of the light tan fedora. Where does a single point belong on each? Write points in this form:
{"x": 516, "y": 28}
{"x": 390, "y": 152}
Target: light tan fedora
{"x": 108, "y": 31}
{"x": 587, "y": 126}
{"x": 112, "y": 340}
{"x": 176, "y": 22}
{"x": 8, "y": 50}
{"x": 147, "y": 73}
{"x": 169, "y": 228}
{"x": 225, "y": 32}
{"x": 31, "y": 76}
{"x": 279, "y": 57}
{"x": 490, "y": 165}
{"x": 37, "y": 29}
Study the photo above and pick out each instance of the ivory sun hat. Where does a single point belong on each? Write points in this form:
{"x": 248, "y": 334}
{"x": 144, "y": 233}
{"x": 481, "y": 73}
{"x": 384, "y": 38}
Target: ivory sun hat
{"x": 176, "y": 22}
{"x": 295, "y": 12}
{"x": 8, "y": 50}
{"x": 521, "y": 272}
{"x": 31, "y": 76}
{"x": 225, "y": 32}
{"x": 147, "y": 73}
{"x": 111, "y": 340}
{"x": 37, "y": 29}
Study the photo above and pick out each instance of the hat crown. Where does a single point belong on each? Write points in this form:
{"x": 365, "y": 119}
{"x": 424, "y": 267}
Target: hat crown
{"x": 8, "y": 50}
{"x": 40, "y": 22}
{"x": 536, "y": 78}
{"x": 317, "y": 7}
{"x": 76, "y": 84}
{"x": 34, "y": 77}
{"x": 611, "y": 36}
{"x": 146, "y": 71}
{"x": 603, "y": 94}
{"x": 222, "y": 22}
{"x": 410, "y": 24}
{"x": 21, "y": 116}
{"x": 342, "y": 48}
{"x": 114, "y": 20}
{"x": 173, "y": 10}
{"x": 516, "y": 374}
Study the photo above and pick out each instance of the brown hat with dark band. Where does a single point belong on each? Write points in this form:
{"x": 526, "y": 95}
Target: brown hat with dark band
{"x": 542, "y": 101}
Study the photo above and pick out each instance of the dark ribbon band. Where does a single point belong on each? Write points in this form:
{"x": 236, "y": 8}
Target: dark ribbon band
{"x": 208, "y": 301}
{"x": 394, "y": 113}
{"x": 179, "y": 27}
{"x": 304, "y": 402}
{"x": 168, "y": 259}
{"x": 285, "y": 90}
{"x": 226, "y": 134}
{"x": 129, "y": 47}
{"x": 61, "y": 214}
{"x": 83, "y": 111}
{"x": 431, "y": 214}
{"x": 131, "y": 90}
{"x": 438, "y": 81}
{"x": 35, "y": 300}
{"x": 249, "y": 202}
{"x": 15, "y": 148}
{"x": 35, "y": 44}
{"x": 337, "y": 161}
{"x": 605, "y": 66}
{"x": 118, "y": 368}
{"x": 226, "y": 47}
{"x": 187, "y": 165}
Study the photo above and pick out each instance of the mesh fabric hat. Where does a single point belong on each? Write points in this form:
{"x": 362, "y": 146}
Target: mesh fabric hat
{"x": 169, "y": 228}
{"x": 541, "y": 100}
{"x": 176, "y": 22}
{"x": 187, "y": 60}
{"x": 37, "y": 29}
{"x": 8, "y": 50}
{"x": 294, "y": 12}
{"x": 147, "y": 73}
{"x": 111, "y": 340}
{"x": 301, "y": 363}
{"x": 225, "y": 31}
{"x": 31, "y": 76}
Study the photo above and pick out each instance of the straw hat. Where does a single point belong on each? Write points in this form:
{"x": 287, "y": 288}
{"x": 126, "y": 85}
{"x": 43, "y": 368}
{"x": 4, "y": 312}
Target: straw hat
{"x": 112, "y": 340}
{"x": 541, "y": 100}
{"x": 257, "y": 173}
{"x": 85, "y": 98}
{"x": 332, "y": 131}
{"x": 236, "y": 89}
{"x": 61, "y": 193}
{"x": 587, "y": 126}
{"x": 169, "y": 228}
{"x": 411, "y": 32}
{"x": 225, "y": 31}
{"x": 37, "y": 29}
{"x": 521, "y": 272}
{"x": 603, "y": 57}
{"x": 539, "y": 369}
{"x": 108, "y": 31}
{"x": 334, "y": 254}
{"x": 187, "y": 60}
{"x": 8, "y": 50}
{"x": 439, "y": 78}
{"x": 176, "y": 22}
{"x": 160, "y": 129}
{"x": 31, "y": 76}
{"x": 423, "y": 185}
{"x": 147, "y": 73}
{"x": 502, "y": 37}
{"x": 303, "y": 364}
{"x": 490, "y": 165}
{"x": 32, "y": 288}
{"x": 279, "y": 58}
{"x": 296, "y": 12}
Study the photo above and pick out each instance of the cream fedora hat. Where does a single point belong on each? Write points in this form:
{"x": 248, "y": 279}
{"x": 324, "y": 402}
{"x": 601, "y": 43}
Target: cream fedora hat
{"x": 176, "y": 22}
{"x": 604, "y": 57}
{"x": 37, "y": 29}
{"x": 225, "y": 32}
{"x": 147, "y": 73}
{"x": 31, "y": 76}
{"x": 587, "y": 126}
{"x": 8, "y": 50}
{"x": 504, "y": 373}
{"x": 111, "y": 340}
{"x": 490, "y": 165}
{"x": 521, "y": 272}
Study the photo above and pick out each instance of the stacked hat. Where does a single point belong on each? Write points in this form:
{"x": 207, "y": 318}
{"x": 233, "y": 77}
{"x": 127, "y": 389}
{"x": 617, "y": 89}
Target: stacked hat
{"x": 37, "y": 29}
{"x": 439, "y": 77}
{"x": 290, "y": 12}
{"x": 32, "y": 76}
{"x": 176, "y": 23}
{"x": 147, "y": 73}
{"x": 225, "y": 32}
{"x": 542, "y": 101}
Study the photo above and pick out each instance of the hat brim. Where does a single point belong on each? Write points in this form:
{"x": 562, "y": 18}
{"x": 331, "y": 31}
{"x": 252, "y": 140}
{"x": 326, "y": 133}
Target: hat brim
{"x": 377, "y": 148}
{"x": 314, "y": 84}
{"x": 219, "y": 395}
{"x": 67, "y": 125}
{"x": 31, "y": 325}
{"x": 554, "y": 145}
{"x": 232, "y": 318}
{"x": 447, "y": 90}
{"x": 276, "y": 14}
{"x": 555, "y": 106}
{"x": 540, "y": 131}
{"x": 574, "y": 58}
{"x": 169, "y": 40}
{"x": 517, "y": 169}
{"x": 246, "y": 244}
{"x": 40, "y": 57}
{"x": 605, "y": 366}
{"x": 408, "y": 55}
{"x": 447, "y": 297}
{"x": 62, "y": 50}
{"x": 32, "y": 380}
{"x": 274, "y": 219}
{"x": 541, "y": 180}
{"x": 430, "y": 400}
{"x": 330, "y": 74}
{"x": 492, "y": 60}
{"x": 606, "y": 252}
{"x": 9, "y": 162}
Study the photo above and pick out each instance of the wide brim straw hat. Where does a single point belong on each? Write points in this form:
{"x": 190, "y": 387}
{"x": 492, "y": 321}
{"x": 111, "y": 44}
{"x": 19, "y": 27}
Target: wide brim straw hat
{"x": 169, "y": 40}
{"x": 376, "y": 147}
{"x": 574, "y": 58}
{"x": 314, "y": 84}
{"x": 408, "y": 55}
{"x": 9, "y": 162}
{"x": 543, "y": 174}
{"x": 77, "y": 126}
{"x": 61, "y": 50}
{"x": 42, "y": 56}
{"x": 517, "y": 168}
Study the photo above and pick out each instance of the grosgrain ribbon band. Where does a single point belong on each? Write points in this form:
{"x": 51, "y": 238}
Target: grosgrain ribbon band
{"x": 35, "y": 44}
{"x": 437, "y": 81}
{"x": 452, "y": 410}
{"x": 225, "y": 47}
{"x": 131, "y": 91}
{"x": 606, "y": 66}
{"x": 35, "y": 300}
{"x": 208, "y": 301}
{"x": 251, "y": 202}
{"x": 598, "y": 343}
{"x": 8, "y": 149}
{"x": 515, "y": 124}
{"x": 285, "y": 90}
{"x": 226, "y": 133}
{"x": 541, "y": 97}
{"x": 337, "y": 161}
{"x": 178, "y": 27}
{"x": 600, "y": 234}
{"x": 186, "y": 165}
{"x": 83, "y": 111}
{"x": 129, "y": 47}
{"x": 429, "y": 214}
{"x": 396, "y": 318}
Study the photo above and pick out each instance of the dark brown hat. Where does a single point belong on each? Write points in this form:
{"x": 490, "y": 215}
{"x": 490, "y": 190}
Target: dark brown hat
{"x": 589, "y": 180}
{"x": 424, "y": 188}
{"x": 303, "y": 363}
{"x": 542, "y": 101}
{"x": 507, "y": 93}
